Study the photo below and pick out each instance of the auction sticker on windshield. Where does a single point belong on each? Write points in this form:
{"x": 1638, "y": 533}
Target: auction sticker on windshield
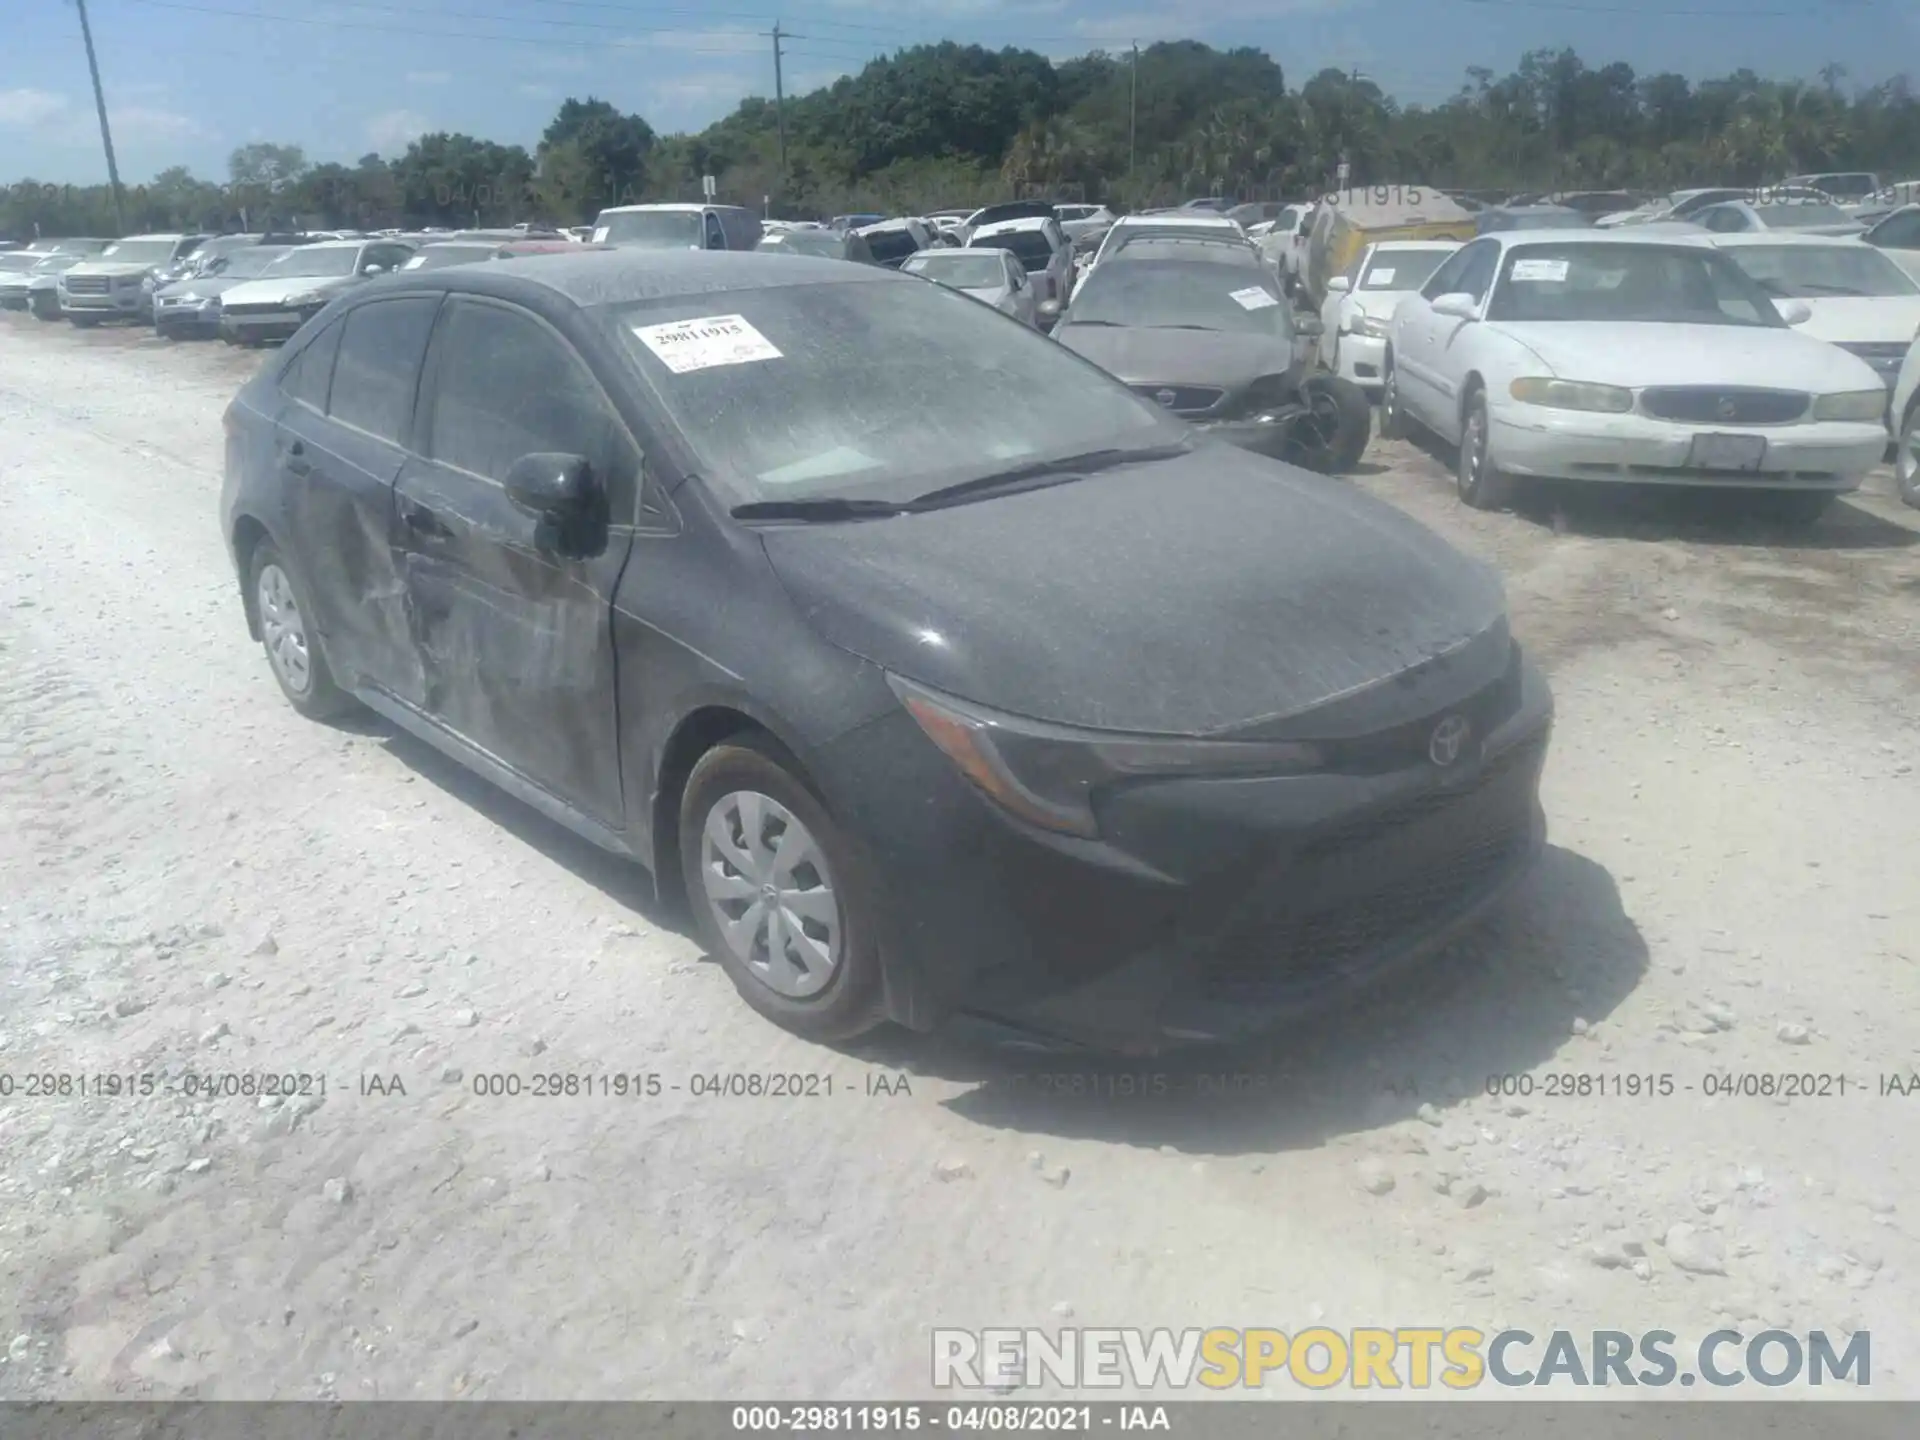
{"x": 703, "y": 343}
{"x": 1379, "y": 277}
{"x": 1548, "y": 270}
{"x": 1253, "y": 298}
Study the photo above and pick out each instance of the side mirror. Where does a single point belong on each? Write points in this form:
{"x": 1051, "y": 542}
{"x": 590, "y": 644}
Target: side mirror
{"x": 1339, "y": 285}
{"x": 374, "y": 270}
{"x": 550, "y": 484}
{"x": 1457, "y": 306}
{"x": 1794, "y": 312}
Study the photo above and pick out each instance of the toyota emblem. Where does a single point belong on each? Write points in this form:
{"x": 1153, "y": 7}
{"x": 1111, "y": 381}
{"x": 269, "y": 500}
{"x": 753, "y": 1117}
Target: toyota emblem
{"x": 1449, "y": 739}
{"x": 1165, "y": 397}
{"x": 1727, "y": 408}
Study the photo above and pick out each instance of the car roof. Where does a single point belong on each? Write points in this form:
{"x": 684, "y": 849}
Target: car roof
{"x": 1182, "y": 247}
{"x": 682, "y": 205}
{"x": 162, "y": 235}
{"x": 1123, "y": 262}
{"x": 349, "y": 244}
{"x": 1517, "y": 239}
{"x": 1008, "y": 227}
{"x": 1379, "y": 245}
{"x": 1207, "y": 219}
{"x": 1785, "y": 237}
{"x": 618, "y": 275}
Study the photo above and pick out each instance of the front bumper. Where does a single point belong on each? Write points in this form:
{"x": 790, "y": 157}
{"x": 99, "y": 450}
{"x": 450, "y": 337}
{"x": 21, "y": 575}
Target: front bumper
{"x": 265, "y": 325}
{"x": 186, "y": 319}
{"x": 1360, "y": 358}
{"x": 114, "y": 302}
{"x": 1210, "y": 911}
{"x": 1544, "y": 443}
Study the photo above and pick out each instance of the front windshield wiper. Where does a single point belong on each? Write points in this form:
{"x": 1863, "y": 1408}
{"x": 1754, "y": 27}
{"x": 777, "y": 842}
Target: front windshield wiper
{"x": 820, "y": 508}
{"x": 1820, "y": 287}
{"x": 1036, "y": 474}
{"x": 1108, "y": 324}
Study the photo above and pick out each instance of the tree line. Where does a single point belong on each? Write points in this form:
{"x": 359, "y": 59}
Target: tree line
{"x": 950, "y": 124}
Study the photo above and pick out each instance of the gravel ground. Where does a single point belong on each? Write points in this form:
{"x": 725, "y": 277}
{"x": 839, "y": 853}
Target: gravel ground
{"x": 192, "y": 879}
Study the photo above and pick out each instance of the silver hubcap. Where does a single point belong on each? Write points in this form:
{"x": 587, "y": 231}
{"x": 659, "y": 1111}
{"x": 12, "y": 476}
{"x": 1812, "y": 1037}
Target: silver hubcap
{"x": 284, "y": 630}
{"x": 1389, "y": 396}
{"x": 1473, "y": 452}
{"x": 771, "y": 893}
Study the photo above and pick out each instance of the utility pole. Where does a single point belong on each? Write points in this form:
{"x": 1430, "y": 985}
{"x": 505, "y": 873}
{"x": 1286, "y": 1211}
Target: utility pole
{"x": 1133, "y": 110}
{"x": 780, "y": 96}
{"x": 100, "y": 104}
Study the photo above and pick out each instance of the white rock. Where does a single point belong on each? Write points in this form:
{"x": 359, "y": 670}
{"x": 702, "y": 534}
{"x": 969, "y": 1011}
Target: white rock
{"x": 338, "y": 1190}
{"x": 19, "y": 1346}
{"x": 199, "y": 1167}
{"x": 1374, "y": 1177}
{"x": 952, "y": 1170}
{"x": 1057, "y": 1176}
{"x": 1694, "y": 1250}
{"x": 466, "y": 1019}
{"x": 1428, "y": 1115}
{"x": 1790, "y": 1033}
{"x": 1470, "y": 1194}
{"x": 219, "y": 980}
{"x": 265, "y": 945}
{"x": 411, "y": 990}
{"x": 217, "y": 1033}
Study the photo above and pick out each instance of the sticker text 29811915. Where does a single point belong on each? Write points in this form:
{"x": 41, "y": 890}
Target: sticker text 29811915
{"x": 703, "y": 343}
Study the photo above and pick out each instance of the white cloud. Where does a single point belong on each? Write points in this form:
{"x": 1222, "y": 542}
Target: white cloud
{"x": 153, "y": 123}
{"x": 30, "y": 107}
{"x": 428, "y": 77}
{"x": 536, "y": 92}
{"x": 396, "y": 129}
{"x": 723, "y": 40}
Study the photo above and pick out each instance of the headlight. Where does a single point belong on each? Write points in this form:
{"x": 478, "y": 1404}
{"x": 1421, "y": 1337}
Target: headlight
{"x": 1371, "y": 325}
{"x": 1048, "y": 774}
{"x": 1863, "y": 405}
{"x": 1571, "y": 395}
{"x": 306, "y": 298}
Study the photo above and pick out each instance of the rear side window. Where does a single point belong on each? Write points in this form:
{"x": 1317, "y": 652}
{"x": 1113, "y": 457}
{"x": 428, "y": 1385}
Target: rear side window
{"x": 309, "y": 376}
{"x": 505, "y": 386}
{"x": 379, "y": 360}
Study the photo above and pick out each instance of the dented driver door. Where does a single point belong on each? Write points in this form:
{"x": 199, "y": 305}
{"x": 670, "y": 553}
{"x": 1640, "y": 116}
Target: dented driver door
{"x": 513, "y": 624}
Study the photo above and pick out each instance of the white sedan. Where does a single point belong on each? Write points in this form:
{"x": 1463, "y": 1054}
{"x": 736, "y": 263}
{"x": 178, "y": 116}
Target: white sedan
{"x": 1856, "y": 297}
{"x": 1360, "y": 305}
{"x": 1628, "y": 357}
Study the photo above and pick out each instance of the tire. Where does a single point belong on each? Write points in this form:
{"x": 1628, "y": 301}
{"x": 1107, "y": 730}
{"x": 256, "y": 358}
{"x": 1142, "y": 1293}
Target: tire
{"x": 1393, "y": 420}
{"x": 1906, "y": 460}
{"x": 1480, "y": 482}
{"x": 1342, "y": 405}
{"x": 831, "y": 1001}
{"x": 46, "y": 312}
{"x": 1797, "y": 508}
{"x": 280, "y": 601}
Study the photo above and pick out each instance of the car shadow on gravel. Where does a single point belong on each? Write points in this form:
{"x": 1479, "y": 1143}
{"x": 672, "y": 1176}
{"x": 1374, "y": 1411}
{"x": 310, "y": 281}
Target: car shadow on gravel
{"x": 1506, "y": 1000}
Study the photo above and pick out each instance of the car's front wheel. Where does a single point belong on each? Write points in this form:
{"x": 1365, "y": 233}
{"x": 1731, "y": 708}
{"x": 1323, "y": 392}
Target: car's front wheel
{"x": 780, "y": 895}
{"x": 288, "y": 636}
{"x": 1906, "y": 461}
{"x": 1393, "y": 420}
{"x": 1482, "y": 484}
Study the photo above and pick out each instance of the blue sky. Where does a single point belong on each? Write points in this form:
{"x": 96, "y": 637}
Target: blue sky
{"x": 188, "y": 80}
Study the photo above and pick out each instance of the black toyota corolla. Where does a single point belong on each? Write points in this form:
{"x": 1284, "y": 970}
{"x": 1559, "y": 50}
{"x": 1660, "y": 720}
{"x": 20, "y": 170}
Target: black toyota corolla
{"x": 940, "y": 672}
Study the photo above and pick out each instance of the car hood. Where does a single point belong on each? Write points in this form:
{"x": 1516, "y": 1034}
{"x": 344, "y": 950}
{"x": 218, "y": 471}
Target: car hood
{"x": 992, "y": 294}
{"x": 199, "y": 285}
{"x": 110, "y": 268}
{"x": 1380, "y": 304}
{"x": 1217, "y": 592}
{"x": 1853, "y": 320}
{"x": 272, "y": 292}
{"x": 1221, "y": 358}
{"x": 1636, "y": 353}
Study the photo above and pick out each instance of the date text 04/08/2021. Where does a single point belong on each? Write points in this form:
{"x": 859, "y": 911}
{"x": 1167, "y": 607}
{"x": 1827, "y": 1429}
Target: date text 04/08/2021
{"x": 544, "y": 1085}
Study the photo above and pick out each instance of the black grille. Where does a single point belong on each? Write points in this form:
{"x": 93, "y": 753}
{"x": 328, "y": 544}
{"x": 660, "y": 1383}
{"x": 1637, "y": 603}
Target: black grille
{"x": 1717, "y": 405}
{"x": 1182, "y": 399}
{"x": 88, "y": 285}
{"x": 276, "y": 308}
{"x": 1461, "y": 797}
{"x": 1261, "y": 966}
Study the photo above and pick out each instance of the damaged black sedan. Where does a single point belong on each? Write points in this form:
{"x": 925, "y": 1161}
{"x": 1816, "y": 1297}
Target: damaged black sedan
{"x": 935, "y": 669}
{"x": 1207, "y": 333}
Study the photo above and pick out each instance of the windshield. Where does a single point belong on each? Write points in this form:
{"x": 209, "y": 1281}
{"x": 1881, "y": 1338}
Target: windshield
{"x": 1534, "y": 220}
{"x": 18, "y": 261}
{"x": 890, "y": 244}
{"x": 139, "y": 252}
{"x": 956, "y": 267}
{"x": 1845, "y": 187}
{"x": 1401, "y": 269}
{"x": 316, "y": 260}
{"x": 880, "y": 389}
{"x": 826, "y": 243}
{"x": 435, "y": 256}
{"x": 1812, "y": 271}
{"x": 1029, "y": 247}
{"x": 655, "y": 229}
{"x": 1654, "y": 284}
{"x": 1797, "y": 215}
{"x": 243, "y": 264}
{"x": 56, "y": 264}
{"x": 1180, "y": 294}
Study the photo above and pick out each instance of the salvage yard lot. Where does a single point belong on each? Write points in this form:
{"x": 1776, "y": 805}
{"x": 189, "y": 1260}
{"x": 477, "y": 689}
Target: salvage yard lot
{"x": 194, "y": 879}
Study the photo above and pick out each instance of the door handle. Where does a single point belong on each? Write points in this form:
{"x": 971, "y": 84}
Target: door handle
{"x": 422, "y": 521}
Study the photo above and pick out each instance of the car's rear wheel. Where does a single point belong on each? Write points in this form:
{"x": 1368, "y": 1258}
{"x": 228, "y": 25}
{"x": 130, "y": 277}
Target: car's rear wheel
{"x": 288, "y": 636}
{"x": 1906, "y": 460}
{"x": 45, "y": 308}
{"x": 1481, "y": 483}
{"x": 1332, "y": 434}
{"x": 780, "y": 895}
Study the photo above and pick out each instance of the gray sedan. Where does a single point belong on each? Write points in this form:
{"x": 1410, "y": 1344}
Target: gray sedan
{"x": 993, "y": 277}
